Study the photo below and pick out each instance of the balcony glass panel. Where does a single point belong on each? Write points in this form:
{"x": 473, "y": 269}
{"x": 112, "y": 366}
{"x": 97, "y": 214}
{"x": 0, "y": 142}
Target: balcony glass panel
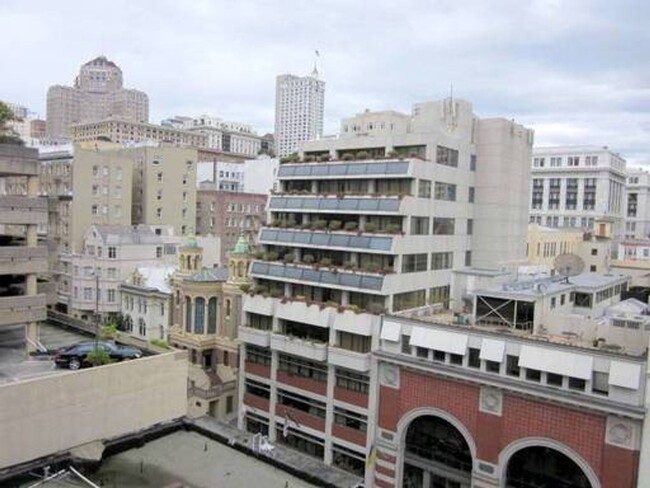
{"x": 361, "y": 204}
{"x": 324, "y": 169}
{"x": 329, "y": 240}
{"x": 318, "y": 276}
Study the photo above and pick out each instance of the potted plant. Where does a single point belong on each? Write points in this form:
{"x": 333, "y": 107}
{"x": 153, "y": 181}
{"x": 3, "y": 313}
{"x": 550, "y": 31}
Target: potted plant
{"x": 363, "y": 155}
{"x": 334, "y": 225}
{"x": 370, "y": 227}
{"x": 351, "y": 226}
{"x": 308, "y": 259}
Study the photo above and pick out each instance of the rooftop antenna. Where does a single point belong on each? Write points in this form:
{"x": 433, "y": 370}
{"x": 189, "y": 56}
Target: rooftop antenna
{"x": 314, "y": 73}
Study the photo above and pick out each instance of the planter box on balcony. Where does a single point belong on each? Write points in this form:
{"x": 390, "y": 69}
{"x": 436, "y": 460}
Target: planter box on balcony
{"x": 300, "y": 312}
{"x": 299, "y": 347}
{"x": 355, "y": 361}
{"x": 361, "y": 323}
{"x": 258, "y": 304}
{"x": 261, "y": 338}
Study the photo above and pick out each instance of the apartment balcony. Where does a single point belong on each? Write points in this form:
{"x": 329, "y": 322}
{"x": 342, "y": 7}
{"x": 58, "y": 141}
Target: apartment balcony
{"x": 366, "y": 281}
{"x": 352, "y": 397}
{"x": 314, "y": 351}
{"x": 258, "y": 304}
{"x": 303, "y": 418}
{"x": 256, "y": 402}
{"x": 257, "y": 369}
{"x": 350, "y": 435}
{"x": 302, "y": 383}
{"x": 356, "y": 361}
{"x": 23, "y": 260}
{"x": 345, "y": 169}
{"x": 299, "y": 311}
{"x": 23, "y": 210}
{"x": 337, "y": 240}
{"x": 22, "y": 309}
{"x": 333, "y": 204}
{"x": 249, "y": 335}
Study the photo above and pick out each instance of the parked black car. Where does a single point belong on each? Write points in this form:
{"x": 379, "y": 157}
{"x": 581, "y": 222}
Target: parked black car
{"x": 74, "y": 357}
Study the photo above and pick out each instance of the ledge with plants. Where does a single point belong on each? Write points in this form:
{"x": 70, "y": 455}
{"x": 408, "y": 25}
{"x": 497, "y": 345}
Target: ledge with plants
{"x": 336, "y": 226}
{"x": 359, "y": 156}
{"x": 326, "y": 264}
{"x": 373, "y": 308}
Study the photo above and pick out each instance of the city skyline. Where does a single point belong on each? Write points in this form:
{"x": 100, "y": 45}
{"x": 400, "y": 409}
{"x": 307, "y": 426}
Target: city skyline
{"x": 564, "y": 69}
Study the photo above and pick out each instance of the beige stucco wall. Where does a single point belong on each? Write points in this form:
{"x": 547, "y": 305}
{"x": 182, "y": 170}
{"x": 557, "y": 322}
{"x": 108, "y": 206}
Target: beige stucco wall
{"x": 43, "y": 416}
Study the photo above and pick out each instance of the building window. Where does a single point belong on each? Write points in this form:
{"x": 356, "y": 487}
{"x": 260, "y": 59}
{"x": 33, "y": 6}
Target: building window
{"x": 159, "y": 251}
{"x": 533, "y": 375}
{"x": 468, "y": 258}
{"x": 443, "y": 226}
{"x": 512, "y": 366}
{"x": 112, "y": 253}
{"x": 442, "y": 260}
{"x": 600, "y": 383}
{"x": 577, "y": 384}
{"x": 352, "y": 381}
{"x": 492, "y": 366}
{"x": 424, "y": 189}
{"x": 419, "y": 226}
{"x": 160, "y": 177}
{"x": 554, "y": 379}
{"x": 470, "y": 227}
{"x": 199, "y": 315}
{"x": 474, "y": 359}
{"x": 472, "y": 162}
{"x": 88, "y": 293}
{"x": 228, "y": 307}
{"x": 439, "y": 294}
{"x": 412, "y": 263}
{"x": 470, "y": 197}
{"x": 447, "y": 156}
{"x": 445, "y": 191}
{"x": 212, "y": 315}
{"x": 410, "y": 299}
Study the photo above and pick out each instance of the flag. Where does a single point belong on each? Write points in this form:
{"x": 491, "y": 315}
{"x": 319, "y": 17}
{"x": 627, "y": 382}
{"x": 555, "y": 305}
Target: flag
{"x": 372, "y": 456}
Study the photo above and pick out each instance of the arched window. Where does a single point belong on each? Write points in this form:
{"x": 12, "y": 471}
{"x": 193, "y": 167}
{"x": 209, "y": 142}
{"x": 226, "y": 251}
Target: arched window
{"x": 544, "y": 467}
{"x": 142, "y": 327}
{"x": 228, "y": 307}
{"x": 199, "y": 315}
{"x": 212, "y": 316}
{"x": 188, "y": 314}
{"x": 240, "y": 269}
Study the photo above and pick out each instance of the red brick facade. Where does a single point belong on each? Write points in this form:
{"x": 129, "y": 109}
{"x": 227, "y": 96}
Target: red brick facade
{"x": 318, "y": 387}
{"x": 583, "y": 431}
{"x": 257, "y": 369}
{"x": 352, "y": 397}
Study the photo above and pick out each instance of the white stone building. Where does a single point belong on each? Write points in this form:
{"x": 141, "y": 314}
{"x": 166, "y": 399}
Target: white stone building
{"x": 365, "y": 231}
{"x": 299, "y": 106}
{"x": 637, "y": 204}
{"x": 220, "y": 135}
{"x": 249, "y": 176}
{"x": 572, "y": 186}
{"x": 110, "y": 255}
{"x": 146, "y": 302}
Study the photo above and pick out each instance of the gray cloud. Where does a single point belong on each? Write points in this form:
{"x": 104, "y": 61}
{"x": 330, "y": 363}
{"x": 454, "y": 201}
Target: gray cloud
{"x": 577, "y": 71}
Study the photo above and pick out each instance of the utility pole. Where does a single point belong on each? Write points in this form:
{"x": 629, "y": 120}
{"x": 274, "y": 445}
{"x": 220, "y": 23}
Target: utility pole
{"x": 96, "y": 309}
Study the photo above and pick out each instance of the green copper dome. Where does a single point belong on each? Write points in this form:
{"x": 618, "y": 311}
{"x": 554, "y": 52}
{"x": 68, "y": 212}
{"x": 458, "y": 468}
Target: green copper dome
{"x": 242, "y": 246}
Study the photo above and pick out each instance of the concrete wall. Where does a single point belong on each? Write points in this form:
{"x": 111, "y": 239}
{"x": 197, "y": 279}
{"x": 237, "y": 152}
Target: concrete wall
{"x": 43, "y": 416}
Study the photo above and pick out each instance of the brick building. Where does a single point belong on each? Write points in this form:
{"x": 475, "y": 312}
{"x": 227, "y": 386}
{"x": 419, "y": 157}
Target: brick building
{"x": 228, "y": 214}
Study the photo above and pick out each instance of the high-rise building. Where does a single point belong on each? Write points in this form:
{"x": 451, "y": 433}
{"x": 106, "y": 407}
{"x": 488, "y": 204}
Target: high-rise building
{"x": 299, "y": 105}
{"x": 97, "y": 93}
{"x": 374, "y": 222}
{"x": 573, "y": 186}
{"x": 22, "y": 260}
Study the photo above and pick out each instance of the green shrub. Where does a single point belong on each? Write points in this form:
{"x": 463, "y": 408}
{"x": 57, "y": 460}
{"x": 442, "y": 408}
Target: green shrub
{"x": 370, "y": 227}
{"x": 326, "y": 262}
{"x": 351, "y": 226}
{"x": 245, "y": 287}
{"x": 308, "y": 259}
{"x": 109, "y": 332}
{"x": 98, "y": 357}
{"x": 160, "y": 343}
{"x": 347, "y": 157}
{"x": 363, "y": 155}
{"x": 335, "y": 224}
{"x": 319, "y": 224}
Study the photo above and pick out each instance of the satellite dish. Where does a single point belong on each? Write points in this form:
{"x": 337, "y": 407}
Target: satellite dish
{"x": 568, "y": 265}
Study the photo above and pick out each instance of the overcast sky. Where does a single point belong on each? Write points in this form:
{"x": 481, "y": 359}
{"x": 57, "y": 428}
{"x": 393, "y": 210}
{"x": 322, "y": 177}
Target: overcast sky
{"x": 577, "y": 71}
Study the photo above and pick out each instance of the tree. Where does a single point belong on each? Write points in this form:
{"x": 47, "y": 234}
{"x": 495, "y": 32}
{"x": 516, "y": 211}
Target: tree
{"x": 7, "y": 134}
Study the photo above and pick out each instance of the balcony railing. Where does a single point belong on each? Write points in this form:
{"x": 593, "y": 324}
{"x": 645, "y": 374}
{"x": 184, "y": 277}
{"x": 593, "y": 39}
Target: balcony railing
{"x": 321, "y": 204}
{"x": 346, "y": 240}
{"x": 340, "y": 169}
{"x": 322, "y": 277}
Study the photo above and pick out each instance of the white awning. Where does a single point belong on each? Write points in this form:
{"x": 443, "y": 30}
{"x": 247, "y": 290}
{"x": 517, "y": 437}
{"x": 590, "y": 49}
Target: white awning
{"x": 555, "y": 361}
{"x": 439, "y": 340}
{"x": 492, "y": 350}
{"x": 390, "y": 331}
{"x": 626, "y": 375}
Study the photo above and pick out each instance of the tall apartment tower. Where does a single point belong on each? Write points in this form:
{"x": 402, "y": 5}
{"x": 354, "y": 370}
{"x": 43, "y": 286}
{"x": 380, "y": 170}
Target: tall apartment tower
{"x": 97, "y": 93}
{"x": 573, "y": 186}
{"x": 368, "y": 224}
{"x": 299, "y": 105}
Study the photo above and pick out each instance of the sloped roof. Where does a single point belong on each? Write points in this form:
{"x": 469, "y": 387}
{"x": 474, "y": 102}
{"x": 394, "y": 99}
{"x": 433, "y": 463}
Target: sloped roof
{"x": 156, "y": 277}
{"x": 209, "y": 274}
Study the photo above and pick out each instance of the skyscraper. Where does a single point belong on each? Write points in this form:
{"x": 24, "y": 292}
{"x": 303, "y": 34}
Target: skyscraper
{"x": 97, "y": 93}
{"x": 299, "y": 105}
